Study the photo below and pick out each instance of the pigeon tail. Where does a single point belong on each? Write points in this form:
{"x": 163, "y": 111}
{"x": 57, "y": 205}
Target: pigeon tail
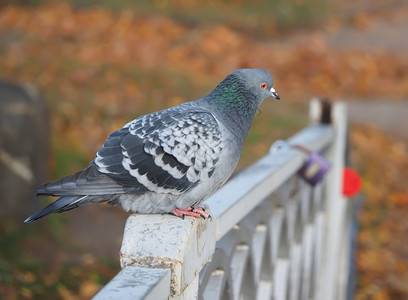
{"x": 62, "y": 204}
{"x": 86, "y": 182}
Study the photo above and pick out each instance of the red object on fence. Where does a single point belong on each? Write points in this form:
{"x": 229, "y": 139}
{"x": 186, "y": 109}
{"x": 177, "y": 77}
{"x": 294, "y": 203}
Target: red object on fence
{"x": 351, "y": 182}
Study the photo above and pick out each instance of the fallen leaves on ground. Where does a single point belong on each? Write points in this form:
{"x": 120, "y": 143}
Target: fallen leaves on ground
{"x": 382, "y": 256}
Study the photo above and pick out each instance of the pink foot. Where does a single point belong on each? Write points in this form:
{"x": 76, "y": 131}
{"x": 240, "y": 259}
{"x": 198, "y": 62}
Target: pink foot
{"x": 198, "y": 212}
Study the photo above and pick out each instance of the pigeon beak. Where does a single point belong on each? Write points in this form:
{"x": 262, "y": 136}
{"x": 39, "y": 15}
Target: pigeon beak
{"x": 274, "y": 94}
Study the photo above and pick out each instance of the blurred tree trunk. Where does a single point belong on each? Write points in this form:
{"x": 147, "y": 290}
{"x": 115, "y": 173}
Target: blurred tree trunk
{"x": 24, "y": 130}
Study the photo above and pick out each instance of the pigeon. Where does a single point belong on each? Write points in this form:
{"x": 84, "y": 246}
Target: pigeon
{"x": 171, "y": 160}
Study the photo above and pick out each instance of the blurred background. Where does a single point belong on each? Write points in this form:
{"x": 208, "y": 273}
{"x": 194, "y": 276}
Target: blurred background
{"x": 78, "y": 70}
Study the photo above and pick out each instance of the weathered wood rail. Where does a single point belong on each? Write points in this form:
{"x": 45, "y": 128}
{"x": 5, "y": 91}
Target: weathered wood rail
{"x": 272, "y": 236}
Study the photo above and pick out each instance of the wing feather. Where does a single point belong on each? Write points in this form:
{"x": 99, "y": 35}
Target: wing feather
{"x": 169, "y": 151}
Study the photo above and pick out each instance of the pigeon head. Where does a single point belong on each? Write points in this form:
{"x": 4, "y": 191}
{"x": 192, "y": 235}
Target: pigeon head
{"x": 259, "y": 82}
{"x": 241, "y": 93}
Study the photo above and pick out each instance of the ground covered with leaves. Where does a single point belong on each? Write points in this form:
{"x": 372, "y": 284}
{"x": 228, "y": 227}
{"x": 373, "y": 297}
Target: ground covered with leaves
{"x": 382, "y": 257}
{"x": 100, "y": 66}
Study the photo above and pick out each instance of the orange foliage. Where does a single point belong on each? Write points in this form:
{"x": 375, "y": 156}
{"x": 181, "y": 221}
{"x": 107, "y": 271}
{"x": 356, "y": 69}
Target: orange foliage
{"x": 382, "y": 247}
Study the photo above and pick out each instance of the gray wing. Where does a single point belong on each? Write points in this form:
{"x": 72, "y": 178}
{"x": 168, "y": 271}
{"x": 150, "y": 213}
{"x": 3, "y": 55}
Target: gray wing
{"x": 164, "y": 152}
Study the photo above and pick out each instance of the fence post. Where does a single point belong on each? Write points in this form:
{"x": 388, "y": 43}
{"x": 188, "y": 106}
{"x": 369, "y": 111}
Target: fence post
{"x": 336, "y": 209}
{"x": 163, "y": 241}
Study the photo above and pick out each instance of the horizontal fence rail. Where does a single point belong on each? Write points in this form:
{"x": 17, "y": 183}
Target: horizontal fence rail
{"x": 271, "y": 236}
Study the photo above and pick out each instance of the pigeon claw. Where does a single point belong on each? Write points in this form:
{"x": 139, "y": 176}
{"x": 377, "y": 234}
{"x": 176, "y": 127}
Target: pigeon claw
{"x": 198, "y": 212}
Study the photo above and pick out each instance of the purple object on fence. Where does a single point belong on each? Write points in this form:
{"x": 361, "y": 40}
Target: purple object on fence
{"x": 314, "y": 168}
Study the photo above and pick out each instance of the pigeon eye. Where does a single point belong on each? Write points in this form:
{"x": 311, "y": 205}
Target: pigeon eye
{"x": 263, "y": 86}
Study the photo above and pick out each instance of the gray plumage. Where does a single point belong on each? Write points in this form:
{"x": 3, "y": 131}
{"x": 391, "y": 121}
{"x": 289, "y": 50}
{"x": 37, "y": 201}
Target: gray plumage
{"x": 169, "y": 159}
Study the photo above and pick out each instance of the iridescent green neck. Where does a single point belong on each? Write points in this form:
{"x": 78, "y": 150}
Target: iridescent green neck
{"x": 232, "y": 96}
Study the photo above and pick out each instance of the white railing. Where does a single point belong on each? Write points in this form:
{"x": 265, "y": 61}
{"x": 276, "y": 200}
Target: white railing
{"x": 271, "y": 236}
